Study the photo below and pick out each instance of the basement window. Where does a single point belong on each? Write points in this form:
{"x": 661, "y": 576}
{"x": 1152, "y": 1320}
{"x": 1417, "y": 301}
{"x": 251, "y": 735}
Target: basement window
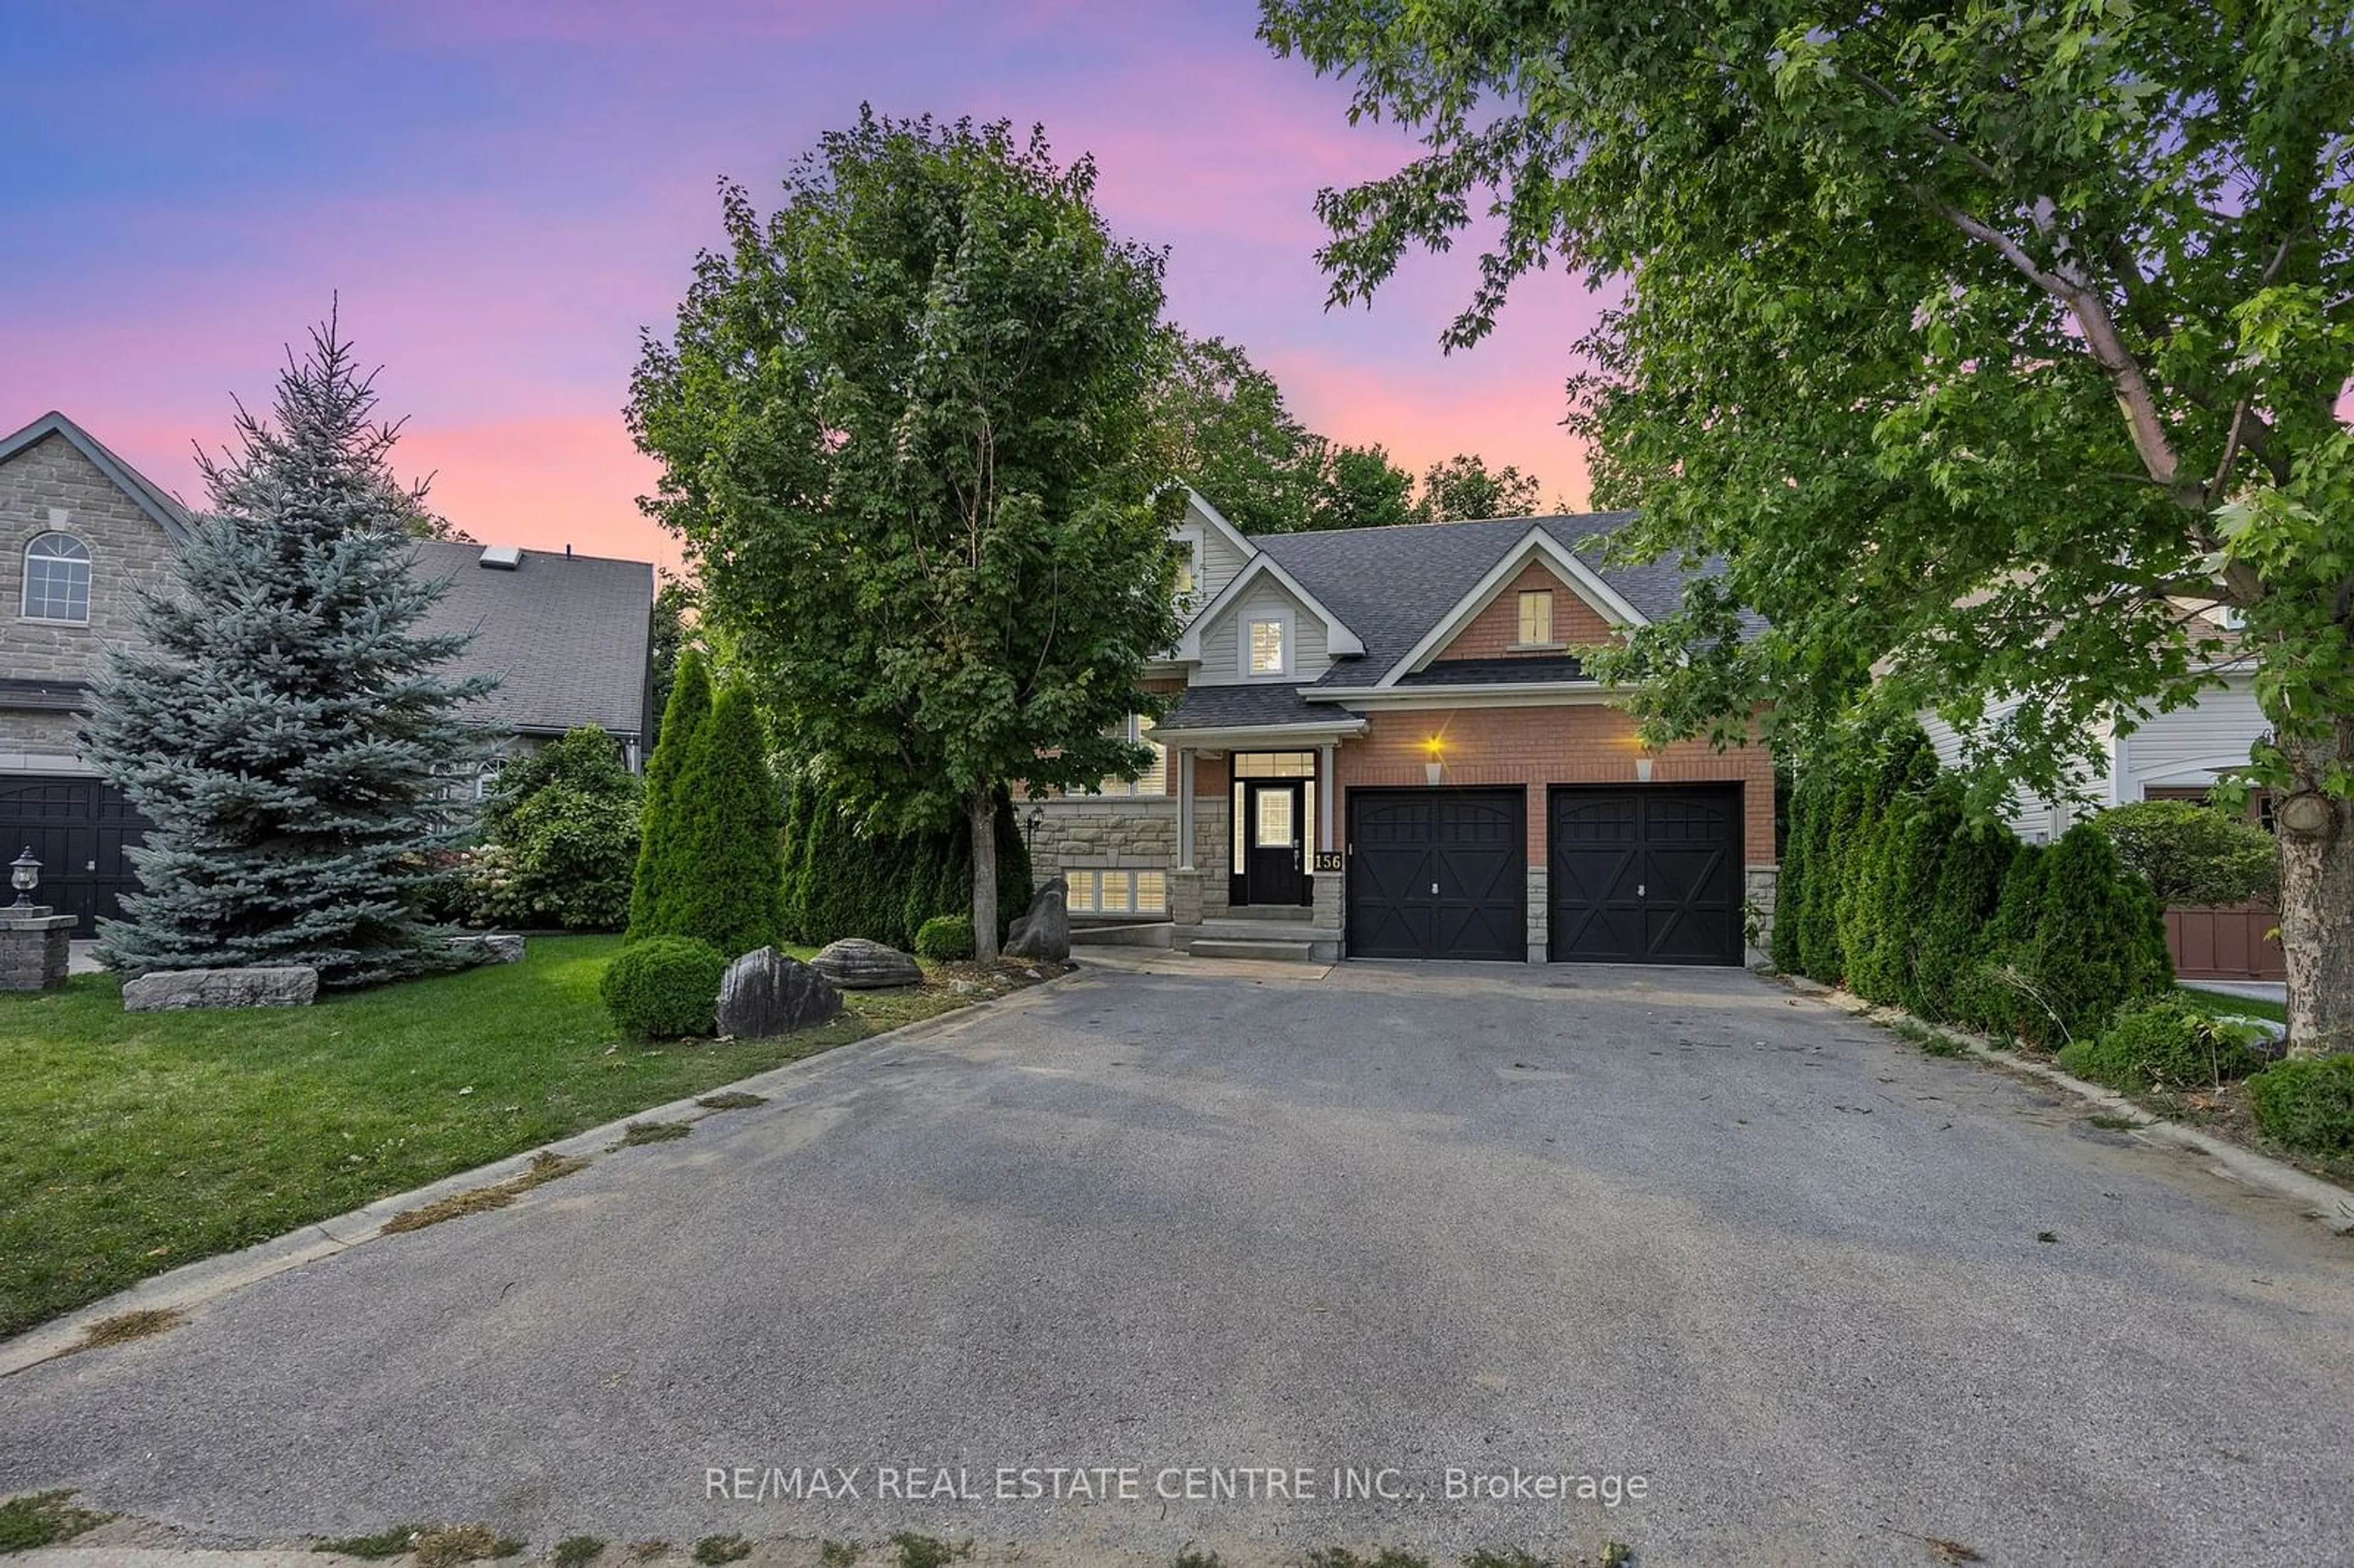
{"x": 1118, "y": 892}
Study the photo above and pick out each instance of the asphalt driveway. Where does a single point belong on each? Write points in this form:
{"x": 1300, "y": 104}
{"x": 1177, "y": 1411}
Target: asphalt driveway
{"x": 1824, "y": 1299}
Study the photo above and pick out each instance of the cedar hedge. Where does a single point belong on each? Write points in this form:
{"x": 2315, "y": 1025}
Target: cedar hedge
{"x": 1888, "y": 890}
{"x": 840, "y": 881}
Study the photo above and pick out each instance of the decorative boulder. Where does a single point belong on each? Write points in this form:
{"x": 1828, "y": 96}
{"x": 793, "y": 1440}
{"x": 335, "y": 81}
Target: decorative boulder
{"x": 490, "y": 947}
{"x": 1043, "y": 934}
{"x": 856, "y": 964}
{"x": 767, "y": 992}
{"x": 166, "y": 990}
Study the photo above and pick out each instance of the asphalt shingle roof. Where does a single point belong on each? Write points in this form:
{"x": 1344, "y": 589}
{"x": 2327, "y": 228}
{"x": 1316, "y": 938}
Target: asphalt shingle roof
{"x": 567, "y": 635}
{"x": 1237, "y": 707}
{"x": 1392, "y": 585}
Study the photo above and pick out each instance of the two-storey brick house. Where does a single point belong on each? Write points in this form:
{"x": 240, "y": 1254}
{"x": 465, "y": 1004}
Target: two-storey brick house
{"x": 1382, "y": 747}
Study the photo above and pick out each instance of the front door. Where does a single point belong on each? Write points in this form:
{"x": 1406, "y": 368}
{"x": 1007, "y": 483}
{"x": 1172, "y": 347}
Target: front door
{"x": 1275, "y": 869}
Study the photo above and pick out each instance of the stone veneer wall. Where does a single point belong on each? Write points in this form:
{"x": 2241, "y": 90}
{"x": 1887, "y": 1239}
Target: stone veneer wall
{"x": 1103, "y": 831}
{"x": 1759, "y": 886}
{"x": 51, "y": 487}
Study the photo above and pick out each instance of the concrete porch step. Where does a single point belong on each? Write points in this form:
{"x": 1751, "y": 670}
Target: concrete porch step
{"x": 1275, "y": 949}
{"x": 1126, "y": 934}
{"x": 1298, "y": 913}
{"x": 1224, "y": 929}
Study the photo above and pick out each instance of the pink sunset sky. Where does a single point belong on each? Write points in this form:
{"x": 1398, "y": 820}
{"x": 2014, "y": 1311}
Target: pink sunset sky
{"x": 504, "y": 194}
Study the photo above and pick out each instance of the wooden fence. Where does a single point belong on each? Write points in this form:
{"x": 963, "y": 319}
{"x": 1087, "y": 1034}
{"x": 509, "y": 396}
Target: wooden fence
{"x": 2225, "y": 942}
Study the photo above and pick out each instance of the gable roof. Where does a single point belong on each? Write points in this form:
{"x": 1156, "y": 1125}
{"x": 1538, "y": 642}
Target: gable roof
{"x": 567, "y": 635}
{"x": 145, "y": 493}
{"x": 1339, "y": 640}
{"x": 1393, "y": 586}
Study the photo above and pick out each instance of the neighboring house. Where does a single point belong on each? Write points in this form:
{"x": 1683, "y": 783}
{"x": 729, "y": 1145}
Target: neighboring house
{"x": 81, "y": 531}
{"x": 1383, "y": 747}
{"x": 2174, "y": 756}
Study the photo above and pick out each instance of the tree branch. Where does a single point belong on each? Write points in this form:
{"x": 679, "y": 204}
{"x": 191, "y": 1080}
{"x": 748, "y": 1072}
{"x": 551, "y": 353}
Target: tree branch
{"x": 2106, "y": 345}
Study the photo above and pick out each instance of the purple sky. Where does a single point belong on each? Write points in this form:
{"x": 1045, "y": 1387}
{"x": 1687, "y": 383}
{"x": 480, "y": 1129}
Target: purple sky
{"x": 505, "y": 194}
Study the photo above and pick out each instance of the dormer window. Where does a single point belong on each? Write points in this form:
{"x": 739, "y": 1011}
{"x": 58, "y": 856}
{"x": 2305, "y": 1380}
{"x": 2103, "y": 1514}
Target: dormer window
{"x": 1270, "y": 651}
{"x": 57, "y": 579}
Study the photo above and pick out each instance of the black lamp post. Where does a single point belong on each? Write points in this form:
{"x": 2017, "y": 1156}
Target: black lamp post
{"x": 24, "y": 875}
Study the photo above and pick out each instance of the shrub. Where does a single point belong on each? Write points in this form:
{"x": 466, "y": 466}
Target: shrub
{"x": 1794, "y": 886}
{"x": 2100, "y": 939}
{"x": 2308, "y": 1103}
{"x": 725, "y": 863}
{"x": 944, "y": 937}
{"x": 1987, "y": 990}
{"x": 2193, "y": 854}
{"x": 2165, "y": 1043}
{"x": 1951, "y": 940}
{"x": 842, "y": 882}
{"x": 663, "y": 987}
{"x": 1932, "y": 832}
{"x": 565, "y": 860}
{"x": 683, "y": 715}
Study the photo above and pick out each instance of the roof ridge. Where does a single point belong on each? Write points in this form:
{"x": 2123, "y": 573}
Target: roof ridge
{"x": 1618, "y": 514}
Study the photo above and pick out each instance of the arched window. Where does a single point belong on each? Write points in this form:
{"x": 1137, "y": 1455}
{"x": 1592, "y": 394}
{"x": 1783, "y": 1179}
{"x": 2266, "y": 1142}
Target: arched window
{"x": 57, "y": 579}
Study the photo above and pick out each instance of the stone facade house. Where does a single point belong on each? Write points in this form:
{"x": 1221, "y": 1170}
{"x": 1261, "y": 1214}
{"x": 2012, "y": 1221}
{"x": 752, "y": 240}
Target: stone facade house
{"x": 82, "y": 531}
{"x": 1382, "y": 746}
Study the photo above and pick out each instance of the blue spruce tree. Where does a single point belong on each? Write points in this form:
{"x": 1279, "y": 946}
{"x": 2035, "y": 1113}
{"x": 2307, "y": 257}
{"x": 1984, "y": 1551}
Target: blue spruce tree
{"x": 285, "y": 726}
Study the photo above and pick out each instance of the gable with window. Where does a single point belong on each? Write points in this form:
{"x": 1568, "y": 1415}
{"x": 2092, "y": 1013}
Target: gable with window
{"x": 57, "y": 579}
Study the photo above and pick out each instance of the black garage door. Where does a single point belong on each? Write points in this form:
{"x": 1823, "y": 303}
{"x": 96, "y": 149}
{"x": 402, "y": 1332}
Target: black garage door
{"x": 1645, "y": 875}
{"x": 78, "y": 830}
{"x": 1437, "y": 873}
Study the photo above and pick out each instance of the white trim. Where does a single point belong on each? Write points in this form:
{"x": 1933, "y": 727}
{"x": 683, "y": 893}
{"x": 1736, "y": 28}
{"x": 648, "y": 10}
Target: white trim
{"x": 1339, "y": 641}
{"x": 1327, "y": 788}
{"x": 1185, "y": 808}
{"x": 1533, "y": 545}
{"x": 1508, "y": 695}
{"x": 1270, "y": 737}
{"x": 1287, "y": 645}
{"x": 2197, "y": 771}
{"x": 1198, "y": 504}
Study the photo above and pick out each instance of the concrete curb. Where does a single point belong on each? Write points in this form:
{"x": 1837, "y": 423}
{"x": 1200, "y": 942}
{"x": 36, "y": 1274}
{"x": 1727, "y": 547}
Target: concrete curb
{"x": 2325, "y": 1201}
{"x": 195, "y": 1284}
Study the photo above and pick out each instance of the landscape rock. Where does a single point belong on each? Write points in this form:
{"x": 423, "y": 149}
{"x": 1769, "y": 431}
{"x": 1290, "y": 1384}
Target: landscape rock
{"x": 856, "y": 964}
{"x": 1044, "y": 931}
{"x": 167, "y": 991}
{"x": 490, "y": 946}
{"x": 767, "y": 993}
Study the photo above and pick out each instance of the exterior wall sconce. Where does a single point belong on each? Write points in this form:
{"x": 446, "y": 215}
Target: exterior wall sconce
{"x": 1432, "y": 767}
{"x": 1642, "y": 770}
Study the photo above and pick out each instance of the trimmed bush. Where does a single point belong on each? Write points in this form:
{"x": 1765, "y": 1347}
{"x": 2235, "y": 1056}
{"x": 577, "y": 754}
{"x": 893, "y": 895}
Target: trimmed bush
{"x": 944, "y": 937}
{"x": 722, "y": 868}
{"x": 2100, "y": 940}
{"x": 1932, "y": 832}
{"x": 2308, "y": 1103}
{"x": 2191, "y": 853}
{"x": 663, "y": 987}
{"x": 1953, "y": 935}
{"x": 683, "y": 717}
{"x": 1988, "y": 991}
{"x": 2163, "y": 1043}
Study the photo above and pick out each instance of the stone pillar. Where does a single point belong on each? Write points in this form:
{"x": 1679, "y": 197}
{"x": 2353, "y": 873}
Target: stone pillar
{"x": 33, "y": 948}
{"x": 1539, "y": 917}
{"x": 1325, "y": 893}
{"x": 1760, "y": 884}
{"x": 1184, "y": 902}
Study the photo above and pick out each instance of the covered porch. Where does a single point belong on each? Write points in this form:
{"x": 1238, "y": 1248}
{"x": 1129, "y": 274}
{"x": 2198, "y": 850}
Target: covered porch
{"x": 1260, "y": 869}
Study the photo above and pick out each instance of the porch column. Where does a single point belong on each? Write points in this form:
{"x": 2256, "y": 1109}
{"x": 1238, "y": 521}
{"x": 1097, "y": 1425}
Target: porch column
{"x": 1185, "y": 808}
{"x": 1326, "y": 788}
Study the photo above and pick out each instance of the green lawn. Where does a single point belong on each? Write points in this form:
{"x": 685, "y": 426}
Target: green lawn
{"x": 131, "y": 1143}
{"x": 2223, "y": 1004}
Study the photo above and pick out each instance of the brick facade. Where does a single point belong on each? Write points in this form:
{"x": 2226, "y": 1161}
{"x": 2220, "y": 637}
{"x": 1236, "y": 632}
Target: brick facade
{"x": 1573, "y": 743}
{"x": 1495, "y": 632}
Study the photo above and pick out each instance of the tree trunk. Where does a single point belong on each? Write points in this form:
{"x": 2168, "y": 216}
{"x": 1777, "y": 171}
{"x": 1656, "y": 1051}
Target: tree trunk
{"x": 2317, "y": 901}
{"x": 981, "y": 812}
